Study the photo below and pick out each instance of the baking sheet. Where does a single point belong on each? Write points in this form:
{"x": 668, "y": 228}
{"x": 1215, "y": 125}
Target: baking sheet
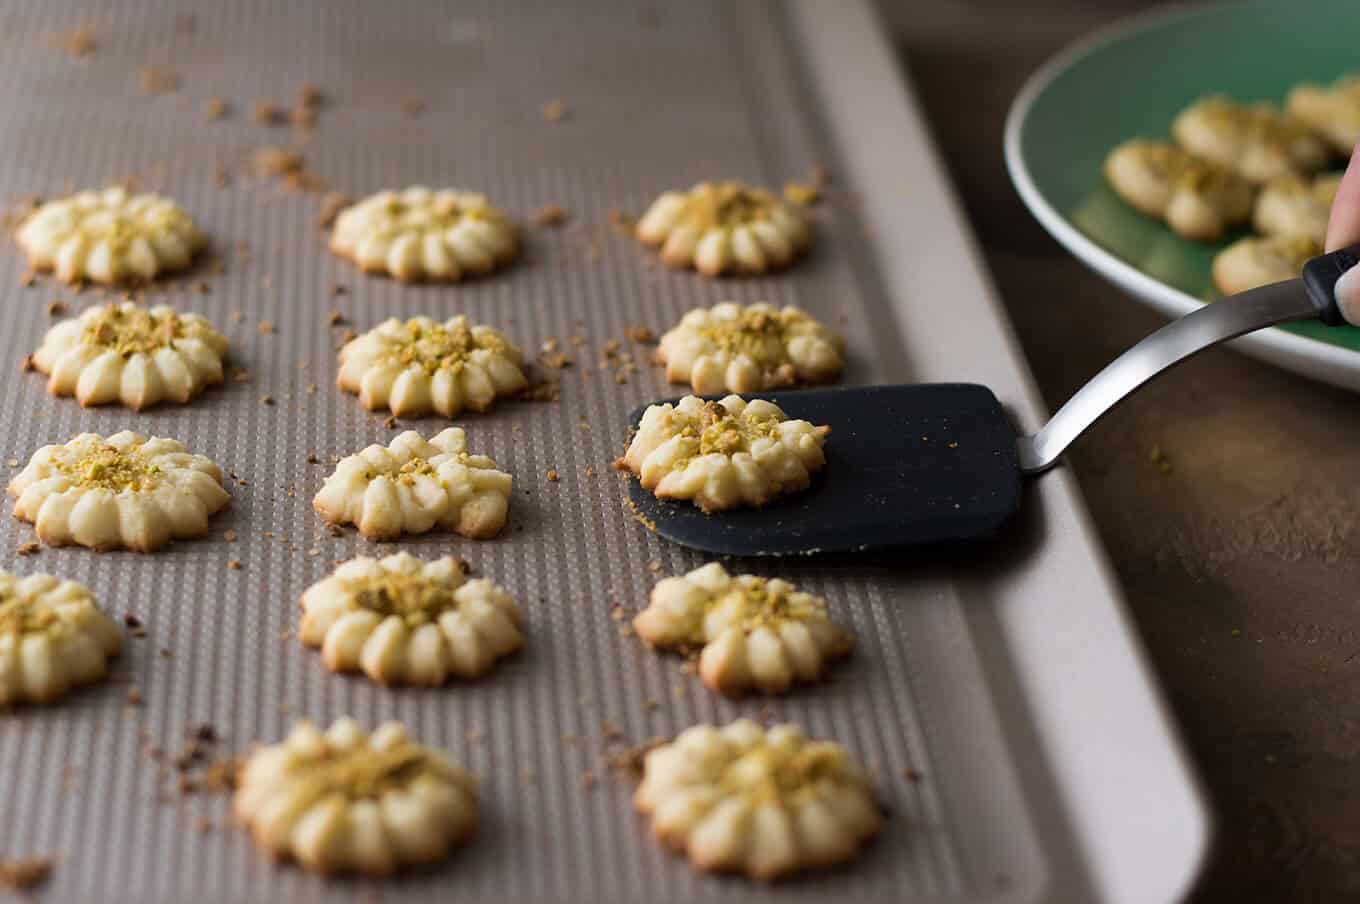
{"x": 656, "y": 96}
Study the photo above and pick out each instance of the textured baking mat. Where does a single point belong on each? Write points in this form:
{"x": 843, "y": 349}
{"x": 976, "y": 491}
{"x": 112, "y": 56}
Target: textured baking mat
{"x": 652, "y": 97}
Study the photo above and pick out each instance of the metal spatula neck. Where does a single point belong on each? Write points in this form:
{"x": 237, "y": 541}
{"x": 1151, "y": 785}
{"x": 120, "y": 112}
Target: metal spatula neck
{"x": 1214, "y": 323}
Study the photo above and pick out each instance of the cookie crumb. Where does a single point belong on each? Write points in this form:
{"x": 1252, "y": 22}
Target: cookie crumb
{"x": 552, "y": 475}
{"x": 266, "y": 327}
{"x": 25, "y": 875}
{"x": 549, "y": 216}
{"x": 216, "y": 108}
{"x": 412, "y": 107}
{"x": 234, "y": 564}
{"x": 554, "y": 111}
{"x": 134, "y": 697}
{"x": 158, "y": 80}
{"x": 801, "y": 194}
{"x": 79, "y": 42}
{"x": 267, "y": 114}
{"x": 641, "y": 335}
{"x": 335, "y": 318}
{"x": 31, "y": 548}
{"x": 267, "y": 400}
{"x": 331, "y": 205}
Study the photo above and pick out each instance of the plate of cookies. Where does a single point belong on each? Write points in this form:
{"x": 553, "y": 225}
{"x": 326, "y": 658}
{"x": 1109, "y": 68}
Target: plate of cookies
{"x": 1212, "y": 173}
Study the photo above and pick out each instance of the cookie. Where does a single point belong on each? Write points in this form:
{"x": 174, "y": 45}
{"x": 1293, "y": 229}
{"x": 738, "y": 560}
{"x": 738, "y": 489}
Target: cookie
{"x": 412, "y": 486}
{"x": 751, "y": 632}
{"x": 420, "y": 233}
{"x": 764, "y": 802}
{"x": 1290, "y": 206}
{"x": 1256, "y": 261}
{"x": 1256, "y": 141}
{"x": 752, "y": 348}
{"x": 417, "y": 366}
{"x": 109, "y": 237}
{"x": 1198, "y": 200}
{"x": 123, "y": 352}
{"x": 1333, "y": 112}
{"x": 723, "y": 455}
{"x": 53, "y": 637}
{"x": 125, "y": 491}
{"x": 402, "y": 620}
{"x": 349, "y": 802}
{"x": 725, "y": 227}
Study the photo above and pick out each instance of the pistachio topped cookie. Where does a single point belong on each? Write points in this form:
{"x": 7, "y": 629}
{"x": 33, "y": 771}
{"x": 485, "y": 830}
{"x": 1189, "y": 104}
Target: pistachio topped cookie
{"x": 725, "y": 227}
{"x": 1257, "y": 141}
{"x": 403, "y": 620}
{"x": 749, "y": 348}
{"x": 109, "y": 237}
{"x": 412, "y": 486}
{"x": 417, "y": 366}
{"x": 723, "y": 455}
{"x": 53, "y": 637}
{"x": 123, "y": 352}
{"x": 1334, "y": 112}
{"x": 764, "y": 802}
{"x": 421, "y": 233}
{"x": 345, "y": 801}
{"x": 750, "y": 632}
{"x": 1197, "y": 199}
{"x": 124, "y": 491}
{"x": 1291, "y": 206}
{"x": 1257, "y": 261}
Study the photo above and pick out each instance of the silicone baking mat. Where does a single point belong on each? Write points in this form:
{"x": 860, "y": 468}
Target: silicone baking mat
{"x": 592, "y": 106}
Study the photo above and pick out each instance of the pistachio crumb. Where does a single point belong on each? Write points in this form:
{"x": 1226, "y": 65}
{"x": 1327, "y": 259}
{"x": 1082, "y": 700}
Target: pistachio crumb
{"x": 216, "y": 108}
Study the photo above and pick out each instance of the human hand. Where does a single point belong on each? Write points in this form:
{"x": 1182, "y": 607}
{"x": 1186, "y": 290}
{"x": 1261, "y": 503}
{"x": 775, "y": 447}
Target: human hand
{"x": 1343, "y": 228}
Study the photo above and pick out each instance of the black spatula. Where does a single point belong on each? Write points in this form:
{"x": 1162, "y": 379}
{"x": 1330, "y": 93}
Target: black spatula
{"x": 940, "y": 463}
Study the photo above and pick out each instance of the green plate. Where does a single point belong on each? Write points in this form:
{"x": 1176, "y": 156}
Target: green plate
{"x": 1130, "y": 81}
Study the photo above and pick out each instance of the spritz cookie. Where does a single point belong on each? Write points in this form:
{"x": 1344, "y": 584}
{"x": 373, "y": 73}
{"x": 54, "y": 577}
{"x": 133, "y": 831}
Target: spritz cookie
{"x": 403, "y": 620}
{"x": 751, "y": 632}
{"x": 766, "y": 803}
{"x": 412, "y": 486}
{"x": 418, "y": 366}
{"x": 1257, "y": 261}
{"x": 425, "y": 234}
{"x": 1256, "y": 141}
{"x": 345, "y": 801}
{"x": 53, "y": 637}
{"x": 109, "y": 237}
{"x": 722, "y": 455}
{"x": 1197, "y": 199}
{"x": 1334, "y": 113}
{"x": 1294, "y": 206}
{"x": 725, "y": 227}
{"x": 125, "y": 491}
{"x": 752, "y": 348}
{"x": 123, "y": 352}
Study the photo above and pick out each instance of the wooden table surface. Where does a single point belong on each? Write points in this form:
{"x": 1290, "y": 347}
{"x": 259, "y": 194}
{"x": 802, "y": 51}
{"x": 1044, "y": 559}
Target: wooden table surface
{"x": 1239, "y": 563}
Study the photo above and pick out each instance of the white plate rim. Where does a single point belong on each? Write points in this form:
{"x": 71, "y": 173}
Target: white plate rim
{"x": 1309, "y": 357}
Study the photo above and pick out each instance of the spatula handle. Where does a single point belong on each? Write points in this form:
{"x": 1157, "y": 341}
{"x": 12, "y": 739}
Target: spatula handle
{"x": 1320, "y": 275}
{"x": 1311, "y": 296}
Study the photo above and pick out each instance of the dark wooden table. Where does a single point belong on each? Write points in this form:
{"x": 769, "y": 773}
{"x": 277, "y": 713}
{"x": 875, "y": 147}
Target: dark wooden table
{"x": 1239, "y": 563}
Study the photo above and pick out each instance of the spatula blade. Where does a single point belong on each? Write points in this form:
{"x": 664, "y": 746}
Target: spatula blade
{"x": 907, "y": 466}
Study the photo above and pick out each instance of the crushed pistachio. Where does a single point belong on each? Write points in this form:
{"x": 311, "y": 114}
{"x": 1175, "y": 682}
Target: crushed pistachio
{"x": 138, "y": 331}
{"x": 415, "y": 598}
{"x": 110, "y": 468}
{"x": 437, "y": 347}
